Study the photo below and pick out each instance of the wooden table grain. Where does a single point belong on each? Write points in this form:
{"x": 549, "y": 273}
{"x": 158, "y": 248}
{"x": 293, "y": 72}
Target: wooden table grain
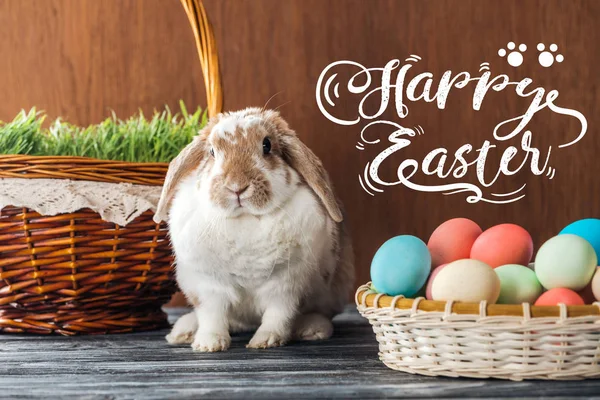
{"x": 144, "y": 366}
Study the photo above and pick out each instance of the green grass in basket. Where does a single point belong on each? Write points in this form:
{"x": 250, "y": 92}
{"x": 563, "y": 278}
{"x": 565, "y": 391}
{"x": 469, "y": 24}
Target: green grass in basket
{"x": 136, "y": 139}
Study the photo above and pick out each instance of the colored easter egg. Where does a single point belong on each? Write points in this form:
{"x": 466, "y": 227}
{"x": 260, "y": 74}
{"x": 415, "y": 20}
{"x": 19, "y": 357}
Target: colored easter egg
{"x": 589, "y": 229}
{"x": 466, "y": 280}
{"x": 596, "y": 284}
{"x": 565, "y": 261}
{"x": 556, "y": 296}
{"x": 452, "y": 240}
{"x": 401, "y": 266}
{"x": 503, "y": 244}
{"x": 518, "y": 284}
{"x": 430, "y": 280}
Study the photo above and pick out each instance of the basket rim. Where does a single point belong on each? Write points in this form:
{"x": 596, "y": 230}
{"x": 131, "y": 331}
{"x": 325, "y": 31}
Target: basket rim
{"x": 366, "y": 297}
{"x": 24, "y": 166}
{"x": 74, "y": 159}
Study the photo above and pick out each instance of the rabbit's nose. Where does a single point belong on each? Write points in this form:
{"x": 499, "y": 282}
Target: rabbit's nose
{"x": 237, "y": 189}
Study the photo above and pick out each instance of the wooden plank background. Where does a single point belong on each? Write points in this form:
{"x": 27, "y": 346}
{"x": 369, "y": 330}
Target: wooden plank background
{"x": 80, "y": 59}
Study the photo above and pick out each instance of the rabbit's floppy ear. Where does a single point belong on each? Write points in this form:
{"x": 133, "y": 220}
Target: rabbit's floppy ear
{"x": 310, "y": 167}
{"x": 181, "y": 166}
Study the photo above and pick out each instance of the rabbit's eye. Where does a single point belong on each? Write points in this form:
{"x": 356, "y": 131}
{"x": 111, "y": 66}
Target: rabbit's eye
{"x": 212, "y": 152}
{"x": 266, "y": 145}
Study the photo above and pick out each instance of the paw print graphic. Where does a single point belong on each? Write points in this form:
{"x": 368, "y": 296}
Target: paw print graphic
{"x": 515, "y": 58}
{"x": 546, "y": 58}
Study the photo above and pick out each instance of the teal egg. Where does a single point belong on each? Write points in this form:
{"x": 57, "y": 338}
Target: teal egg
{"x": 589, "y": 229}
{"x": 401, "y": 266}
{"x": 565, "y": 261}
{"x": 518, "y": 284}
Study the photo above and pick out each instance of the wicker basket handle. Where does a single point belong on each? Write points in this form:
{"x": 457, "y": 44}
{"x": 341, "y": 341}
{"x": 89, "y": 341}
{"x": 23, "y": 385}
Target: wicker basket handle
{"x": 207, "y": 52}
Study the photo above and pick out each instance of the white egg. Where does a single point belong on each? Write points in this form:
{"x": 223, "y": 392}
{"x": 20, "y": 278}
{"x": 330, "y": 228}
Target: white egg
{"x": 467, "y": 281}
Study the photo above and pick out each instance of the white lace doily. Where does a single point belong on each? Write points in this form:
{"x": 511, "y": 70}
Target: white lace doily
{"x": 119, "y": 203}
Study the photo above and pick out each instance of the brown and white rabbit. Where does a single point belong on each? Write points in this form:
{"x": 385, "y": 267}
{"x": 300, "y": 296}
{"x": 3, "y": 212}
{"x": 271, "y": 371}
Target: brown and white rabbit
{"x": 257, "y": 233}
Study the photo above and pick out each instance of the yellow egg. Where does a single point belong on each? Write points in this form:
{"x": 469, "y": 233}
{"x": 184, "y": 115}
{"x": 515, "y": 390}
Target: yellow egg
{"x": 466, "y": 281}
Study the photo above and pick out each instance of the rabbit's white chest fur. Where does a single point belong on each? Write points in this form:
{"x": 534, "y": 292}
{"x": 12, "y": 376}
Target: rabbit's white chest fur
{"x": 249, "y": 259}
{"x": 246, "y": 250}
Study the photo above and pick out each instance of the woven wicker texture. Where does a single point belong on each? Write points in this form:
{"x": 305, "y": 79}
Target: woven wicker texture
{"x": 480, "y": 341}
{"x": 81, "y": 168}
{"x": 75, "y": 273}
{"x": 207, "y": 53}
{"x": 60, "y": 273}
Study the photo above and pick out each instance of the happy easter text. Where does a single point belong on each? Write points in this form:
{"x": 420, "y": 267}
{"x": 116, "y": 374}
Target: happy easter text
{"x": 390, "y": 87}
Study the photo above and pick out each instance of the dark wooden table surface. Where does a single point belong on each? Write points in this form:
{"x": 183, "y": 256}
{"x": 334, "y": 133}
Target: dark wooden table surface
{"x": 144, "y": 366}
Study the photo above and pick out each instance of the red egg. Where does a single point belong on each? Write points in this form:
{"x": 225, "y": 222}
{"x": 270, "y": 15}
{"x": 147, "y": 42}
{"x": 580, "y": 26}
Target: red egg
{"x": 556, "y": 296}
{"x": 503, "y": 244}
{"x": 430, "y": 281}
{"x": 452, "y": 241}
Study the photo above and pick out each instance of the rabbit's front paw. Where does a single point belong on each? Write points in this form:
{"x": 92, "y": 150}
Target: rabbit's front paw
{"x": 181, "y": 338}
{"x": 184, "y": 329}
{"x": 211, "y": 342}
{"x": 264, "y": 339}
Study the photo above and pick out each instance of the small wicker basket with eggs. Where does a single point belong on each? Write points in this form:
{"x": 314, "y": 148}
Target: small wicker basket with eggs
{"x": 470, "y": 303}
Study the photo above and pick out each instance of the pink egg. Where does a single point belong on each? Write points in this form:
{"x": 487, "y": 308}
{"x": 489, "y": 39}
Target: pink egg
{"x": 503, "y": 244}
{"x": 452, "y": 241}
{"x": 430, "y": 281}
{"x": 556, "y": 296}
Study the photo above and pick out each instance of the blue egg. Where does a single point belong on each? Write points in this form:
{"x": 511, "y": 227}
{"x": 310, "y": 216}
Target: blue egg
{"x": 589, "y": 229}
{"x": 401, "y": 266}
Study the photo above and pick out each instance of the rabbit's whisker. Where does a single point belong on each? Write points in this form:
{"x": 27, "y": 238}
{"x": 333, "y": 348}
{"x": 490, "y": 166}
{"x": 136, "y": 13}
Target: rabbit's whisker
{"x": 281, "y": 105}
{"x": 271, "y": 98}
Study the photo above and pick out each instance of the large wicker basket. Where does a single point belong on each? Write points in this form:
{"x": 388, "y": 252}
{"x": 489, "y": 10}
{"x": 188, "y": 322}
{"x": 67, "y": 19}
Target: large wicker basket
{"x": 75, "y": 273}
{"x": 484, "y": 341}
